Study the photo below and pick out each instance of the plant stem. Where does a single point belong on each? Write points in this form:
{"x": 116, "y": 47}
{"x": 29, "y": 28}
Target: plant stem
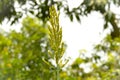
{"x": 58, "y": 74}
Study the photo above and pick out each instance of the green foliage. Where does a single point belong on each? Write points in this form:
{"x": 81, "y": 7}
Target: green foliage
{"x": 111, "y": 48}
{"x": 22, "y": 52}
{"x": 108, "y": 69}
{"x": 38, "y": 8}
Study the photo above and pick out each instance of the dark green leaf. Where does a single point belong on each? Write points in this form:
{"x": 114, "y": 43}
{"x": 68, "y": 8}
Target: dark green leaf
{"x": 77, "y": 17}
{"x": 31, "y": 11}
{"x": 106, "y": 25}
{"x": 71, "y": 17}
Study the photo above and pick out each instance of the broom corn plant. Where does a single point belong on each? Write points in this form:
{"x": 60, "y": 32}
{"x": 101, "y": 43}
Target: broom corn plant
{"x": 55, "y": 39}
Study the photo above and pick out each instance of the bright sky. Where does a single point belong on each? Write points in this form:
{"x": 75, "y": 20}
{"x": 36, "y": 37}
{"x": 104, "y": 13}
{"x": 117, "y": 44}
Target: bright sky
{"x": 81, "y": 35}
{"x": 77, "y": 36}
{"x": 86, "y": 34}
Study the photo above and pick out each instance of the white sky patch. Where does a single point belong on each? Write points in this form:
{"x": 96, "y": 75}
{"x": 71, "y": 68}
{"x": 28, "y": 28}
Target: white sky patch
{"x": 74, "y": 3}
{"x": 7, "y": 27}
{"x": 81, "y": 36}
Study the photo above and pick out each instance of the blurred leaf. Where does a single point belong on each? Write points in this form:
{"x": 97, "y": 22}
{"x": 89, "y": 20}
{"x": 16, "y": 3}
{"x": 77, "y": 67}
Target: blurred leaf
{"x": 32, "y": 12}
{"x": 77, "y": 17}
{"x": 106, "y": 25}
{"x": 71, "y": 17}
